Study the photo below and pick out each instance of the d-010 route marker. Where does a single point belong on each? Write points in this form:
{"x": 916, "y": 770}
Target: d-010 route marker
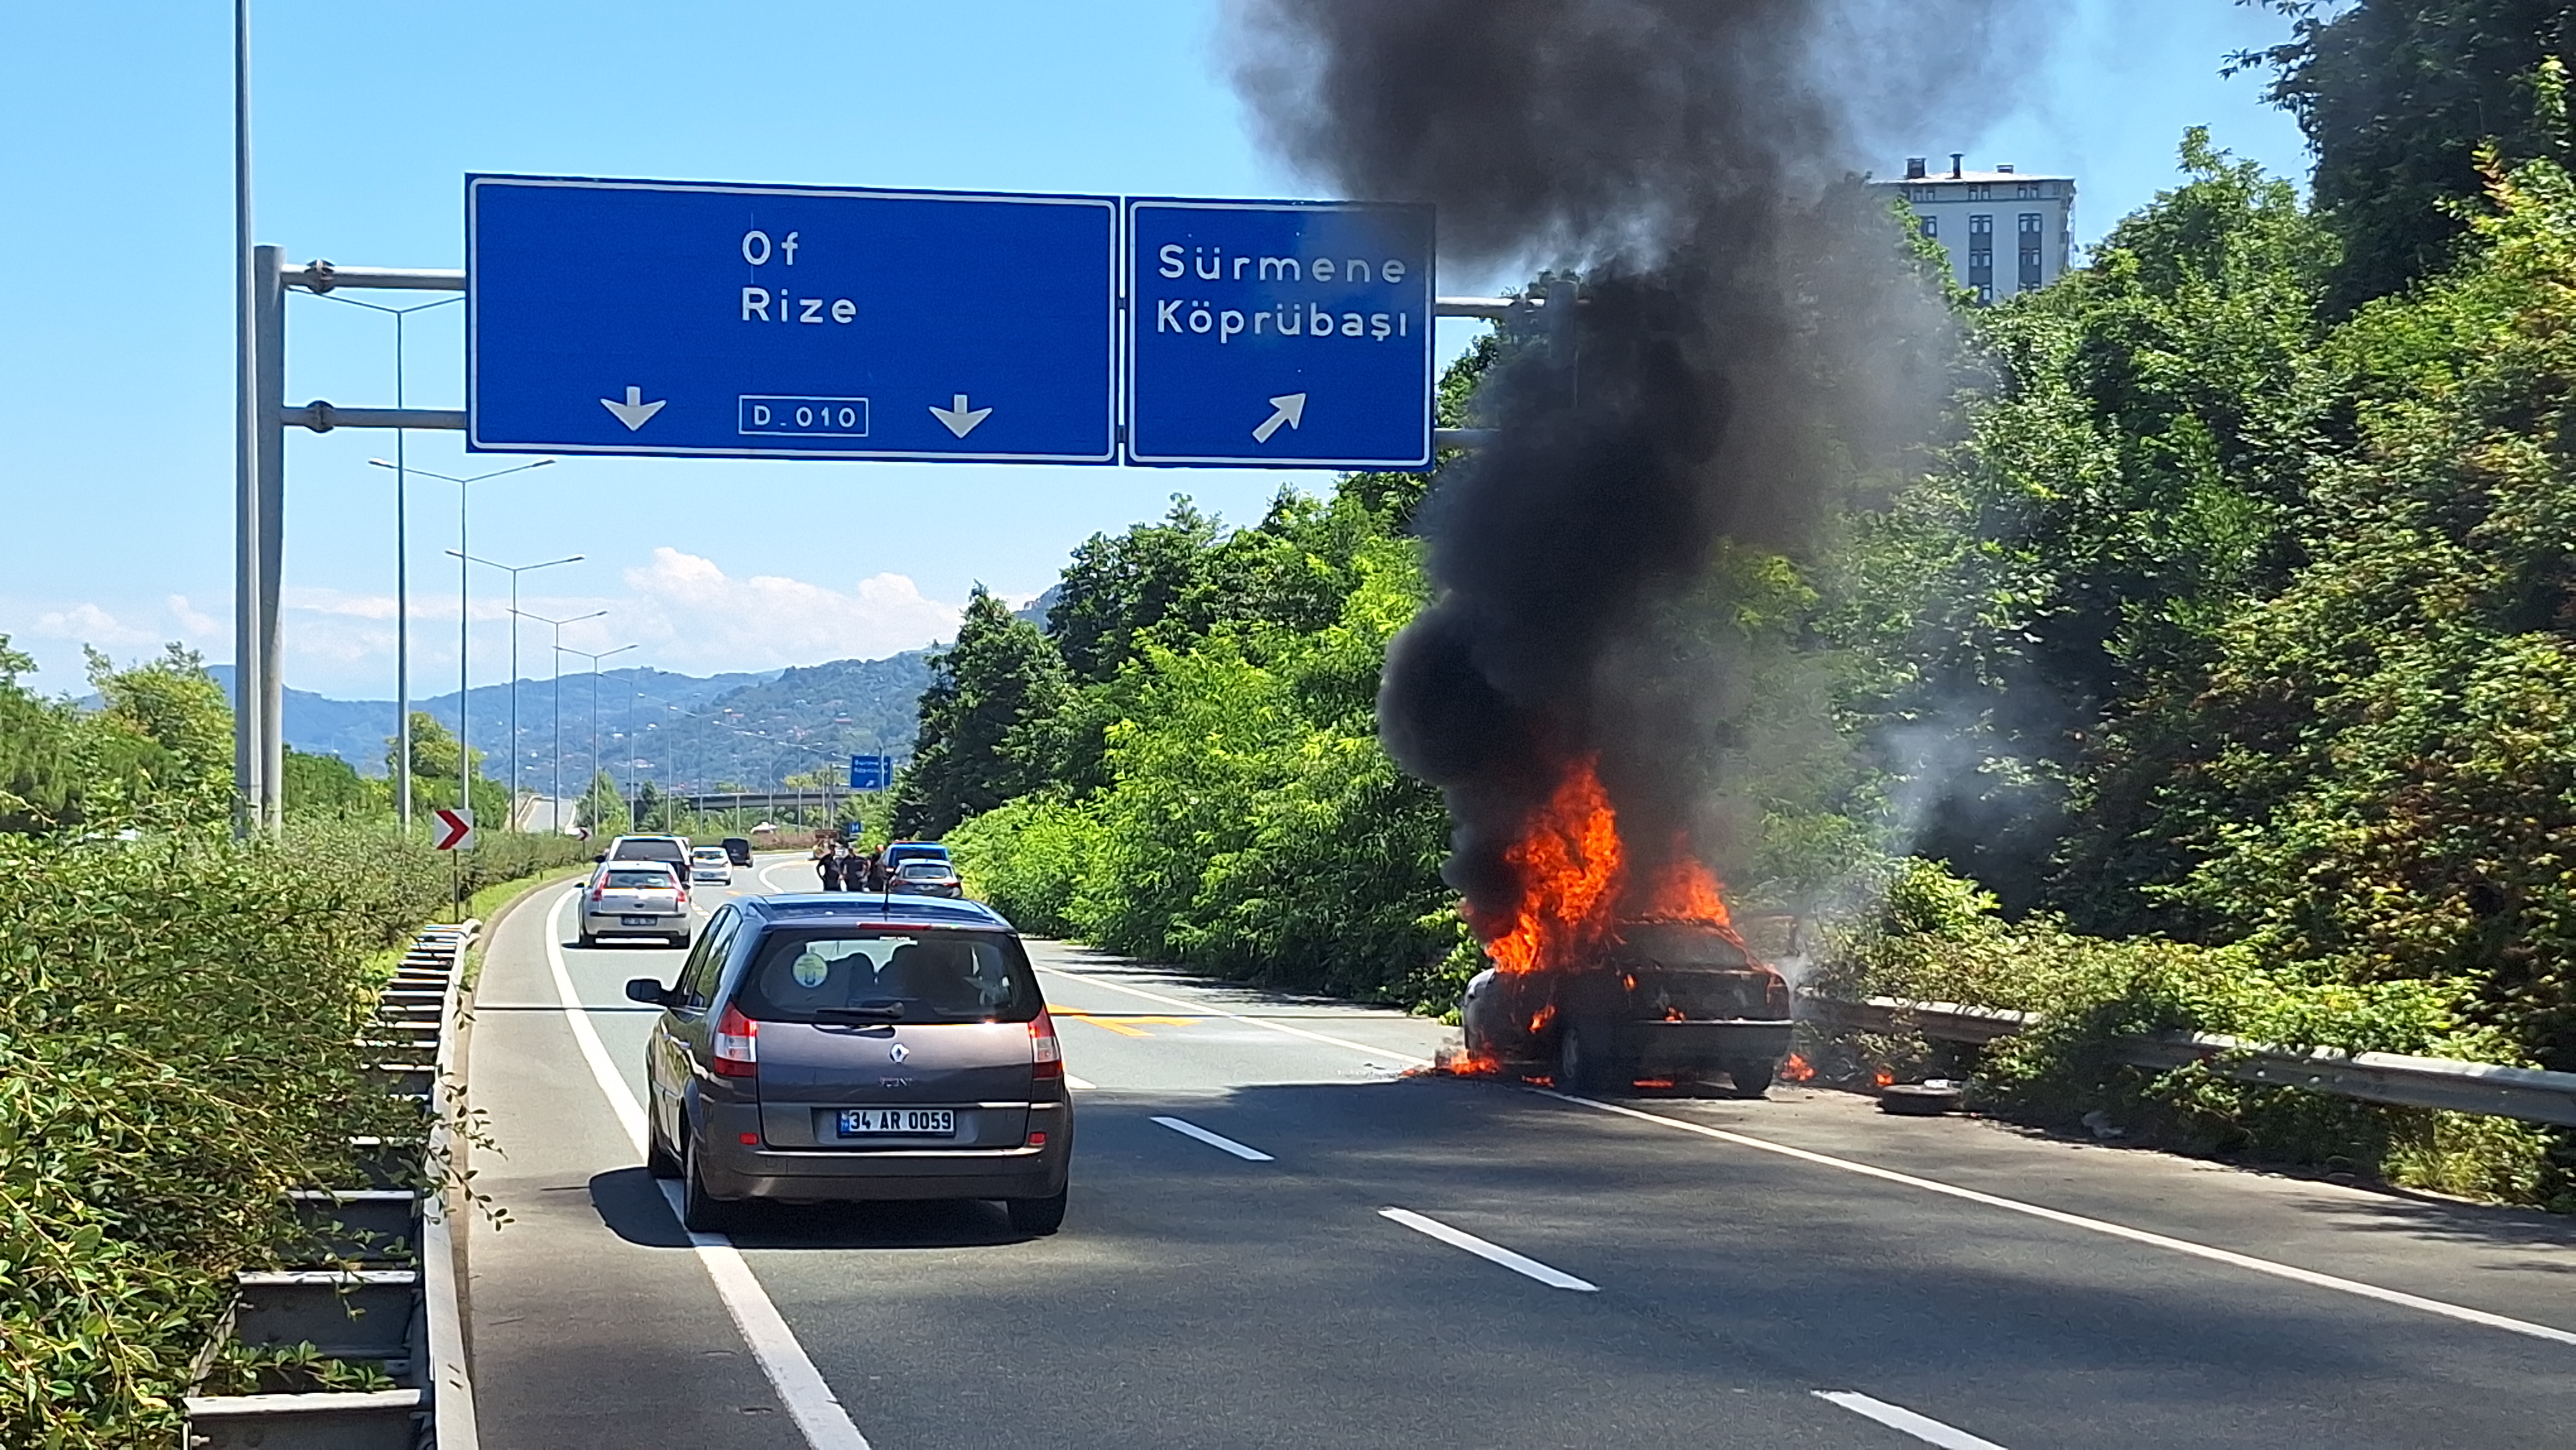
{"x": 451, "y": 828}
{"x": 708, "y": 319}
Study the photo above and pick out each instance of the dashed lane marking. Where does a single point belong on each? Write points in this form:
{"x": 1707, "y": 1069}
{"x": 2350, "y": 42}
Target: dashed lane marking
{"x": 1897, "y": 1417}
{"x": 1188, "y": 1129}
{"x": 1492, "y": 1252}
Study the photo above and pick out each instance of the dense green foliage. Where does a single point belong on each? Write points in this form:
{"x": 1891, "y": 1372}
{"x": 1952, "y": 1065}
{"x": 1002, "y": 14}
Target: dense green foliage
{"x": 2397, "y": 96}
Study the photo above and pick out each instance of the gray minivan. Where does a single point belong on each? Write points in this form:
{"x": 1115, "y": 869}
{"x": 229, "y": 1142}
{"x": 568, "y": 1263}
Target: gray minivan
{"x": 847, "y": 1048}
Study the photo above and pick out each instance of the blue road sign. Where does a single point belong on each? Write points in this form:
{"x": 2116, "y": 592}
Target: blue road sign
{"x": 1279, "y": 332}
{"x": 871, "y": 772}
{"x": 788, "y": 322}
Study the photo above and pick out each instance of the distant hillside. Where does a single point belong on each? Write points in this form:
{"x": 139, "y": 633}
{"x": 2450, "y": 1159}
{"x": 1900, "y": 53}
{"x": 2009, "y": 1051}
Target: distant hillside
{"x": 744, "y": 728}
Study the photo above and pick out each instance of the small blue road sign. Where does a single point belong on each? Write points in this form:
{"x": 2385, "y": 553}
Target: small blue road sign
{"x": 871, "y": 772}
{"x": 1279, "y": 332}
{"x": 789, "y": 322}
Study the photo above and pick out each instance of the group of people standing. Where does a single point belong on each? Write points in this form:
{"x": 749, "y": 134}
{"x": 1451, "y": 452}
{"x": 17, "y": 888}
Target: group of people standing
{"x": 843, "y": 869}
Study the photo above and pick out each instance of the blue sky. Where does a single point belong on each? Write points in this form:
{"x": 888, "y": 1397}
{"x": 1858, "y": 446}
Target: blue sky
{"x": 116, "y": 327}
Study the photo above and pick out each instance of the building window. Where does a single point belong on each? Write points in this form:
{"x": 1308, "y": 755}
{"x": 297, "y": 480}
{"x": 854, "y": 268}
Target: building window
{"x": 1981, "y": 226}
{"x": 1980, "y": 191}
{"x": 1931, "y": 226}
{"x": 2026, "y": 189}
{"x": 2030, "y": 226}
{"x": 1986, "y": 293}
{"x": 2030, "y": 264}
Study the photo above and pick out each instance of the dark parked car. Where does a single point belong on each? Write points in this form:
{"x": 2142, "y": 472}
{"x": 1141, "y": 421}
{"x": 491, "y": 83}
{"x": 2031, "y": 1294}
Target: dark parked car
{"x": 1674, "y": 1000}
{"x": 738, "y": 850}
{"x": 838, "y": 1048}
{"x": 922, "y": 877}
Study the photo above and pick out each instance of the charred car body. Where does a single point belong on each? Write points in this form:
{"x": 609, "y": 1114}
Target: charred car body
{"x": 1662, "y": 999}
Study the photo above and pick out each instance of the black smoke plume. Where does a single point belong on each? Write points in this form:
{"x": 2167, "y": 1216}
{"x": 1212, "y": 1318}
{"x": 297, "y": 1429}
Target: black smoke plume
{"x": 1751, "y": 338}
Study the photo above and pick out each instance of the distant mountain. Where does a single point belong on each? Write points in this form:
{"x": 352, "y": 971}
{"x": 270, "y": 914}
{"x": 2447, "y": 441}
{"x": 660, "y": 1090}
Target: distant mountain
{"x": 692, "y": 732}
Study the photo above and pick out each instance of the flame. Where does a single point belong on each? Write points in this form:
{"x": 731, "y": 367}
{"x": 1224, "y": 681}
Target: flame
{"x": 1575, "y": 886}
{"x": 1571, "y": 870}
{"x": 1794, "y": 1068}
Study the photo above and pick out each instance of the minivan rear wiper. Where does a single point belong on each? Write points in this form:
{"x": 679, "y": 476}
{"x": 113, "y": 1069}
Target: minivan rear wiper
{"x": 874, "y": 1012}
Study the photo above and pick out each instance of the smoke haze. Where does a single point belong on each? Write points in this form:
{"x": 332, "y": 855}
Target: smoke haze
{"x": 1751, "y": 339}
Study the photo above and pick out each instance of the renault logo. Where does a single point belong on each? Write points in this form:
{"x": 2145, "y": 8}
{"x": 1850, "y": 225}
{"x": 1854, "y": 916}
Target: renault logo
{"x": 899, "y": 1052}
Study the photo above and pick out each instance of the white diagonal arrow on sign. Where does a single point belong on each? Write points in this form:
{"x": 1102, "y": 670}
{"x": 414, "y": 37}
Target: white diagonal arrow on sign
{"x": 1288, "y": 408}
{"x": 634, "y": 412}
{"x": 961, "y": 420}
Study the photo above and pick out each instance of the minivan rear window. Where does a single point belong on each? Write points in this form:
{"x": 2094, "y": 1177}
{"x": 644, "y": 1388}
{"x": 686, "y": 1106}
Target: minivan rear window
{"x": 635, "y": 877}
{"x": 896, "y": 975}
{"x": 647, "y": 849}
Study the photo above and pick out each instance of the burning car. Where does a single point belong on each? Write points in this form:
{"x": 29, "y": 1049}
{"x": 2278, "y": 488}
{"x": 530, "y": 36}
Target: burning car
{"x": 1679, "y": 1000}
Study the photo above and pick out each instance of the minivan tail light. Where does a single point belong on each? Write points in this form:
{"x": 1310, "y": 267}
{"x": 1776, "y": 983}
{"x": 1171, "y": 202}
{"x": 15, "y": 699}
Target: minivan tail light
{"x": 737, "y": 1045}
{"x": 1045, "y": 1053}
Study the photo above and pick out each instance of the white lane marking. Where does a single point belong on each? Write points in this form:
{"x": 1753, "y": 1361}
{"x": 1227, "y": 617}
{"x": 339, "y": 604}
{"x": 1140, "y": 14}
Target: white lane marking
{"x": 1897, "y": 1417}
{"x": 806, "y": 866}
{"x": 1461, "y": 1239}
{"x": 2228, "y": 1257}
{"x": 1188, "y": 1129}
{"x": 800, "y": 1386}
{"x": 1083, "y": 1083}
{"x": 1204, "y": 1010}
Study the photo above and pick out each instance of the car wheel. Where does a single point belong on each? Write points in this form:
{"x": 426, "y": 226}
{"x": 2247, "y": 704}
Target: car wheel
{"x": 1752, "y": 1076}
{"x": 1582, "y": 1056}
{"x": 658, "y": 1160}
{"x": 1038, "y": 1215}
{"x": 681, "y": 941}
{"x": 700, "y": 1212}
{"x": 589, "y": 941}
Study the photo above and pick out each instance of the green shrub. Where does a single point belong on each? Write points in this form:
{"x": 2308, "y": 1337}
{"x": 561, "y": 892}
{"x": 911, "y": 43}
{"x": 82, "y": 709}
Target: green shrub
{"x": 1939, "y": 938}
{"x": 179, "y": 1050}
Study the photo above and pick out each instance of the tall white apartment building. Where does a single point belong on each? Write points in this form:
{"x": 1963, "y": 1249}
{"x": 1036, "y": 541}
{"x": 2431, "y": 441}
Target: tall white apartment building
{"x": 1970, "y": 212}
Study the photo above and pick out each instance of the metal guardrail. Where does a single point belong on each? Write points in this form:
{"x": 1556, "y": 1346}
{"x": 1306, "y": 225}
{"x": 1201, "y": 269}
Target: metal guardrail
{"x": 2528, "y": 1094}
{"x": 405, "y": 1315}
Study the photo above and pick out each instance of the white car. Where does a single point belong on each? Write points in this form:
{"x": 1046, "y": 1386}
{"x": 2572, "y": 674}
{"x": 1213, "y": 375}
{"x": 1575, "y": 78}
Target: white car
{"x": 710, "y": 864}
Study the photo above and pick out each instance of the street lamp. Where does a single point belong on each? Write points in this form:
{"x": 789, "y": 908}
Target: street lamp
{"x": 402, "y": 559}
{"x": 554, "y": 688}
{"x": 514, "y": 571}
{"x": 464, "y": 618}
{"x": 594, "y": 705}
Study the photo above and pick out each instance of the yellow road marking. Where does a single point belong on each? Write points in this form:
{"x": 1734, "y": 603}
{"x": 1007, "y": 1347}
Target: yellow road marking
{"x": 1124, "y": 1026}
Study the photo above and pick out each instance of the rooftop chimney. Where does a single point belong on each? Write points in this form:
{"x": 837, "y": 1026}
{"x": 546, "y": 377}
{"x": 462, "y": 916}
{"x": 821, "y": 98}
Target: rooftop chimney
{"x": 1955, "y": 158}
{"x": 1914, "y": 168}
{"x": 2005, "y": 167}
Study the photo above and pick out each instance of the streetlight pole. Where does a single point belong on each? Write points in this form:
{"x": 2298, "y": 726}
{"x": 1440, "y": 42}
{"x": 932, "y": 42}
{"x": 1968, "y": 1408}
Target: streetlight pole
{"x": 554, "y": 689}
{"x": 402, "y": 559}
{"x": 594, "y": 703}
{"x": 514, "y": 571}
{"x": 464, "y": 618}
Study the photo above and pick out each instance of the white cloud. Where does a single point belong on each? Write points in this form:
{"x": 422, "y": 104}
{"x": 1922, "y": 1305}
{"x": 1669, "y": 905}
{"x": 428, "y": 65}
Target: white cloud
{"x": 691, "y": 615}
{"x": 193, "y": 624}
{"x": 86, "y": 623}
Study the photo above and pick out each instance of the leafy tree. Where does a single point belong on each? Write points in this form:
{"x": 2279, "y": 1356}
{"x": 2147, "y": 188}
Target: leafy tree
{"x": 327, "y": 786}
{"x": 602, "y": 809}
{"x": 435, "y": 765}
{"x": 1002, "y": 674}
{"x": 1119, "y": 585}
{"x": 174, "y": 704}
{"x": 2396, "y": 96}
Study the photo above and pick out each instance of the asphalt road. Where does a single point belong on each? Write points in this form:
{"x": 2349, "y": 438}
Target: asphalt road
{"x": 1277, "y": 1238}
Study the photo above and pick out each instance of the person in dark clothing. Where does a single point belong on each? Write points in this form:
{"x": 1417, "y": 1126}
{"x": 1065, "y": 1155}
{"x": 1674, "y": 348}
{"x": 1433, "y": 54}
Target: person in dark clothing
{"x": 827, "y": 864}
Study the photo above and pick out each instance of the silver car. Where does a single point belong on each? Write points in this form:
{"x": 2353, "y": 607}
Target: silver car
{"x": 919, "y": 877}
{"x": 711, "y": 865}
{"x": 635, "y": 898}
{"x": 838, "y": 1048}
